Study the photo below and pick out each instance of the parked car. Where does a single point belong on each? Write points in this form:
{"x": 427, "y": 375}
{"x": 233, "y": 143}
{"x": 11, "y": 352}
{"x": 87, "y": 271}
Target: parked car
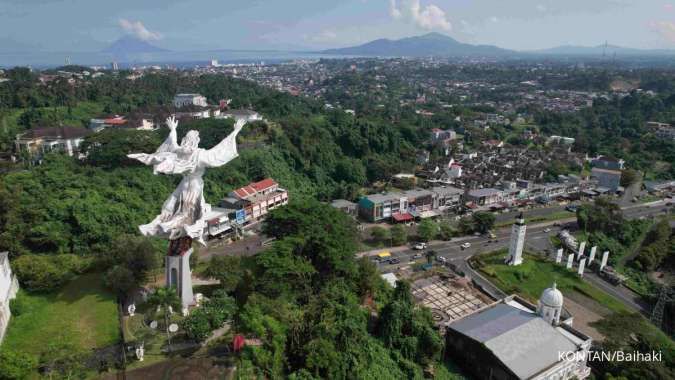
{"x": 420, "y": 246}
{"x": 441, "y": 259}
{"x": 492, "y": 235}
{"x": 394, "y": 261}
{"x": 466, "y": 245}
{"x": 417, "y": 256}
{"x": 547, "y": 230}
{"x": 572, "y": 208}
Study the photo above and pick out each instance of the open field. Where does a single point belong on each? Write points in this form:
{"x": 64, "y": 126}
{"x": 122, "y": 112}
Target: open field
{"x": 81, "y": 315}
{"x": 535, "y": 274}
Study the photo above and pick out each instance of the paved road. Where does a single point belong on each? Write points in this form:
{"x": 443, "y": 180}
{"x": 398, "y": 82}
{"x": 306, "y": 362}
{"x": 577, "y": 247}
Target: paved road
{"x": 537, "y": 240}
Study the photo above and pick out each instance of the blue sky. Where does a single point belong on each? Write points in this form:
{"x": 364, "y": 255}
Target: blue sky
{"x": 90, "y": 25}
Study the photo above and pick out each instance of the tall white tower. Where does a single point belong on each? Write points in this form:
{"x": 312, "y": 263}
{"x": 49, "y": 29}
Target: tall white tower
{"x": 515, "y": 256}
{"x": 550, "y": 305}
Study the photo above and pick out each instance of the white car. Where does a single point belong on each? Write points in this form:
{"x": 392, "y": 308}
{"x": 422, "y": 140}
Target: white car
{"x": 420, "y": 246}
{"x": 547, "y": 230}
{"x": 466, "y": 245}
{"x": 441, "y": 259}
{"x": 417, "y": 256}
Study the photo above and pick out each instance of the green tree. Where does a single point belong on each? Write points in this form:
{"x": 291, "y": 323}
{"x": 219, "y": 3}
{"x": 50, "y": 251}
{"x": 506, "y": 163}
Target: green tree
{"x": 603, "y": 215}
{"x": 165, "y": 298}
{"x": 121, "y": 280}
{"x": 446, "y": 230}
{"x": 399, "y": 235}
{"x": 407, "y": 328}
{"x": 630, "y": 177}
{"x": 380, "y": 235}
{"x": 466, "y": 226}
{"x": 427, "y": 230}
{"x": 226, "y": 269}
{"x": 484, "y": 221}
{"x": 16, "y": 365}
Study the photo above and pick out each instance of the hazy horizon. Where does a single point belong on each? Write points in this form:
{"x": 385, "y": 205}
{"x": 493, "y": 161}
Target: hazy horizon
{"x": 191, "y": 25}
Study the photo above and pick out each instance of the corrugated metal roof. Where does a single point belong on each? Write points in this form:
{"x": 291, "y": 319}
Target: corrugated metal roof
{"x": 522, "y": 341}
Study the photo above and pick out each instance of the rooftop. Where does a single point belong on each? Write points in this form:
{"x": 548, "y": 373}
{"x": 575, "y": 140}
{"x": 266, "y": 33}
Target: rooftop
{"x": 521, "y": 339}
{"x": 56, "y": 133}
{"x": 484, "y": 192}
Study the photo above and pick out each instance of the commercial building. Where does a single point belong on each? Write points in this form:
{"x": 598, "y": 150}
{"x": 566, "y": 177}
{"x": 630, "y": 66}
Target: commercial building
{"x": 408, "y": 205}
{"x": 253, "y": 201}
{"x": 607, "y": 178}
{"x": 485, "y": 197}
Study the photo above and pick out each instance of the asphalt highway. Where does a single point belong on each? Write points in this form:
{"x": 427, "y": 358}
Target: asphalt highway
{"x": 537, "y": 240}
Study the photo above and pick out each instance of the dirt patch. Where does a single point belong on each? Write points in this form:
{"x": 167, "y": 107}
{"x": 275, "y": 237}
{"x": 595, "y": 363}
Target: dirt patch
{"x": 662, "y": 277}
{"x": 583, "y": 317}
{"x": 181, "y": 369}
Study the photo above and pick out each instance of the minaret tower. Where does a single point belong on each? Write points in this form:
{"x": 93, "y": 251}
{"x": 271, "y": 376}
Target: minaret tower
{"x": 515, "y": 256}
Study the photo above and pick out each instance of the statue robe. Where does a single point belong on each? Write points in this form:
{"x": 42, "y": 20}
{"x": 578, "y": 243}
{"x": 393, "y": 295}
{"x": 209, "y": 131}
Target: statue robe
{"x": 183, "y": 213}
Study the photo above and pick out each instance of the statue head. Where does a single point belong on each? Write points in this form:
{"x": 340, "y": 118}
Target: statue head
{"x": 190, "y": 142}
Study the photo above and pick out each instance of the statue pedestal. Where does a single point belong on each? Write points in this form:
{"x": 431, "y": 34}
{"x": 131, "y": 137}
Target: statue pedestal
{"x": 178, "y": 273}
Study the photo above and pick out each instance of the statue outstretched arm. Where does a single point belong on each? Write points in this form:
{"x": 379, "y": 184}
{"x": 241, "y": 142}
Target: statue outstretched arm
{"x": 225, "y": 151}
{"x": 165, "y": 154}
{"x": 171, "y": 142}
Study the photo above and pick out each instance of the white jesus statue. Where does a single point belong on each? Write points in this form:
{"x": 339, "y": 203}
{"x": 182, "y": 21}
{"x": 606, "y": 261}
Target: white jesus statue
{"x": 184, "y": 211}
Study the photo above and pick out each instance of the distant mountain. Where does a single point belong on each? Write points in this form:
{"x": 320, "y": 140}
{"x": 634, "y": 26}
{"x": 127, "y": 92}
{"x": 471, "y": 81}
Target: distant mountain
{"x": 600, "y": 50}
{"x": 129, "y": 45}
{"x": 431, "y": 44}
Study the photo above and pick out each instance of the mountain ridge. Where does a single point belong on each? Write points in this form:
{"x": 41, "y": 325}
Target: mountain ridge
{"x": 430, "y": 44}
{"x": 129, "y": 45}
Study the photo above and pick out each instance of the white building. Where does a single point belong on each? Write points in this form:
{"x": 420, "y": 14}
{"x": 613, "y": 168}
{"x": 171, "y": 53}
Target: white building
{"x": 242, "y": 114}
{"x": 515, "y": 256}
{"x": 8, "y": 288}
{"x": 39, "y": 141}
{"x": 511, "y": 339}
{"x": 182, "y": 100}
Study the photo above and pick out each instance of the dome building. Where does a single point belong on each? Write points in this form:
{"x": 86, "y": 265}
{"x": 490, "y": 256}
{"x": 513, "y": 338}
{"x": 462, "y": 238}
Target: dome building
{"x": 550, "y": 305}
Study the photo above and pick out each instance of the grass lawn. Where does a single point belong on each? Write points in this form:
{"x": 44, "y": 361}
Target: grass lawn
{"x": 82, "y": 314}
{"x": 536, "y": 274}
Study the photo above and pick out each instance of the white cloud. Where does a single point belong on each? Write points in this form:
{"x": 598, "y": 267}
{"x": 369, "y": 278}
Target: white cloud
{"x": 324, "y": 36}
{"x": 666, "y": 29}
{"x": 137, "y": 29}
{"x": 541, "y": 7}
{"x": 494, "y": 19}
{"x": 394, "y": 12}
{"x": 429, "y": 17}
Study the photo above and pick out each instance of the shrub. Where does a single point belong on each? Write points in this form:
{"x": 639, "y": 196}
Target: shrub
{"x": 16, "y": 365}
{"x": 46, "y": 272}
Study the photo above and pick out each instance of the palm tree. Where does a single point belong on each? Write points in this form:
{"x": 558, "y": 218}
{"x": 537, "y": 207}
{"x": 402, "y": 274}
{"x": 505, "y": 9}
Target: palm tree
{"x": 165, "y": 298}
{"x": 431, "y": 255}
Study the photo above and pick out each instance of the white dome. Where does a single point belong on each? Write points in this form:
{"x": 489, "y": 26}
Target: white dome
{"x": 551, "y": 297}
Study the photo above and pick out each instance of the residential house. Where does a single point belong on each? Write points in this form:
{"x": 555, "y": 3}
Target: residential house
{"x": 183, "y": 100}
{"x": 349, "y": 208}
{"x": 39, "y": 141}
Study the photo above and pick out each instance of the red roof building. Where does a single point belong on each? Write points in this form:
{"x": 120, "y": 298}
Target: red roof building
{"x": 256, "y": 199}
